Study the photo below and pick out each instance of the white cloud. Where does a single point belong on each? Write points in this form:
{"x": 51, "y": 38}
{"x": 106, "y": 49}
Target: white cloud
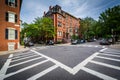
{"x": 31, "y": 10}
{"x": 79, "y": 8}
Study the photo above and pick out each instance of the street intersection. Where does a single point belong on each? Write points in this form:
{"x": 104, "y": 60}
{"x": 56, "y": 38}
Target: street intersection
{"x": 70, "y": 62}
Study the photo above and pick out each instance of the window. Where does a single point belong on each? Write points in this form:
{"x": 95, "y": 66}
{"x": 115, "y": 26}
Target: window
{"x": 59, "y": 24}
{"x": 59, "y": 17}
{"x": 12, "y": 3}
{"x": 76, "y": 30}
{"x": 70, "y": 30}
{"x": 59, "y": 33}
{"x": 11, "y": 34}
{"x": 11, "y": 17}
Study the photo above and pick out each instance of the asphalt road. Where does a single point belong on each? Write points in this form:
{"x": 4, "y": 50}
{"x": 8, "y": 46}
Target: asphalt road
{"x": 71, "y": 62}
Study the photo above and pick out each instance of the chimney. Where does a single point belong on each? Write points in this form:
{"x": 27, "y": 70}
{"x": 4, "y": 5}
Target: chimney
{"x": 50, "y": 7}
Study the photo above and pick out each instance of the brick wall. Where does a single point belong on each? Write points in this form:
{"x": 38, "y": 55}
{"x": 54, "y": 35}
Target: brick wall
{"x": 4, "y": 24}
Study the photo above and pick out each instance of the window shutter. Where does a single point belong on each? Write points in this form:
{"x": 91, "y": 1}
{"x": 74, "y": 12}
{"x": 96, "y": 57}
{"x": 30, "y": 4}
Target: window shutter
{"x": 16, "y": 3}
{"x": 6, "y": 33}
{"x": 6, "y": 2}
{"x": 15, "y": 18}
{"x": 16, "y": 34}
{"x": 6, "y": 16}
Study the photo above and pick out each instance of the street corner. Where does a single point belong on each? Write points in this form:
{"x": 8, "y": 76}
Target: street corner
{"x": 14, "y": 51}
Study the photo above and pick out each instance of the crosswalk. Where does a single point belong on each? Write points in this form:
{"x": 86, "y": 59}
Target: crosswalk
{"x": 31, "y": 60}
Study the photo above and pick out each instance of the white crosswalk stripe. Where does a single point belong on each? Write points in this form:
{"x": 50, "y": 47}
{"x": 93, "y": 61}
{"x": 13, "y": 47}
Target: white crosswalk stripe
{"x": 24, "y": 58}
{"x": 43, "y": 73}
{"x": 24, "y": 62}
{"x": 5, "y": 67}
{"x": 98, "y": 74}
{"x": 110, "y": 55}
{"x": 108, "y": 58}
{"x": 26, "y": 68}
{"x": 107, "y": 65}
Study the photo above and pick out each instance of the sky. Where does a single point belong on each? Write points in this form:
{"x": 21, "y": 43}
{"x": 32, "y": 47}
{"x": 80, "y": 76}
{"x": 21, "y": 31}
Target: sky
{"x": 32, "y": 9}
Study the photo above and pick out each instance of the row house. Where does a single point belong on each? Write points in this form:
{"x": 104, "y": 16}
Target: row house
{"x": 10, "y": 24}
{"x": 66, "y": 25}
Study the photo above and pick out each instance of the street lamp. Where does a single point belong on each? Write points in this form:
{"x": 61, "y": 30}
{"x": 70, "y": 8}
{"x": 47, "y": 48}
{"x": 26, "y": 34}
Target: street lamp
{"x": 112, "y": 36}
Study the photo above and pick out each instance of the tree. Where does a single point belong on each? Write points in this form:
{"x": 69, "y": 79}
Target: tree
{"x": 86, "y": 27}
{"x": 41, "y": 29}
{"x": 109, "y": 20}
{"x": 46, "y": 27}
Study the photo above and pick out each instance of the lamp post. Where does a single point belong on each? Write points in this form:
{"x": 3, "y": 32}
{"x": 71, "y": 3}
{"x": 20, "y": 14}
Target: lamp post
{"x": 112, "y": 36}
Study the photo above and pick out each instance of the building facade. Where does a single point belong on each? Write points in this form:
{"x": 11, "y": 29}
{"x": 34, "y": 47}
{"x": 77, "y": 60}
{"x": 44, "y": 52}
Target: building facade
{"x": 66, "y": 25}
{"x": 10, "y": 24}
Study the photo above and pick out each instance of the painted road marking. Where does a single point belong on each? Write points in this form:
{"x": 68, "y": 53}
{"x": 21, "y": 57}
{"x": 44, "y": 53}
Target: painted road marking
{"x": 5, "y": 67}
{"x": 18, "y": 54}
{"x": 98, "y": 74}
{"x": 110, "y": 55}
{"x": 69, "y": 69}
{"x": 104, "y": 64}
{"x": 83, "y": 63}
{"x": 26, "y": 68}
{"x": 24, "y": 62}
{"x": 56, "y": 62}
{"x": 108, "y": 58}
{"x": 43, "y": 73}
{"x": 103, "y": 50}
{"x": 24, "y": 58}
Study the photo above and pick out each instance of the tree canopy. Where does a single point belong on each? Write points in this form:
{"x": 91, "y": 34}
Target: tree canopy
{"x": 41, "y": 29}
{"x": 109, "y": 20}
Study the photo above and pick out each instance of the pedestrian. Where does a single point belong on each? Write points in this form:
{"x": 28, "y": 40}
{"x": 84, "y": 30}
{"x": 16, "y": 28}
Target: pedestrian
{"x": 25, "y": 42}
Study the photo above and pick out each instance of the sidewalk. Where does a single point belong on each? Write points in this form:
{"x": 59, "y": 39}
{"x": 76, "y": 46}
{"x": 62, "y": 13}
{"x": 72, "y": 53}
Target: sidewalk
{"x": 18, "y": 50}
{"x": 115, "y": 46}
{"x": 27, "y": 48}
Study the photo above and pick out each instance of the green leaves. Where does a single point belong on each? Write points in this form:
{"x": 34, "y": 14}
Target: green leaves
{"x": 110, "y": 18}
{"x": 41, "y": 29}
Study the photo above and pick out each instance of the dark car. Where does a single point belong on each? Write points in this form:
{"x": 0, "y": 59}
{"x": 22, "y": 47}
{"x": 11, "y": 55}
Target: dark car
{"x": 29, "y": 44}
{"x": 104, "y": 42}
{"x": 50, "y": 42}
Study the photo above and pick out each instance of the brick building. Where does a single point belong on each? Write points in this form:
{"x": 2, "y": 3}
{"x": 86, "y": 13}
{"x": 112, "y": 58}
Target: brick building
{"x": 9, "y": 24}
{"x": 65, "y": 23}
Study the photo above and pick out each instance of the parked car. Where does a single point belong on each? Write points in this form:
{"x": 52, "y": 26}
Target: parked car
{"x": 50, "y": 42}
{"x": 104, "y": 42}
{"x": 29, "y": 44}
{"x": 74, "y": 42}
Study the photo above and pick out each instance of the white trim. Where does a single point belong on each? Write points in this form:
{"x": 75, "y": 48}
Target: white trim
{"x": 16, "y": 25}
